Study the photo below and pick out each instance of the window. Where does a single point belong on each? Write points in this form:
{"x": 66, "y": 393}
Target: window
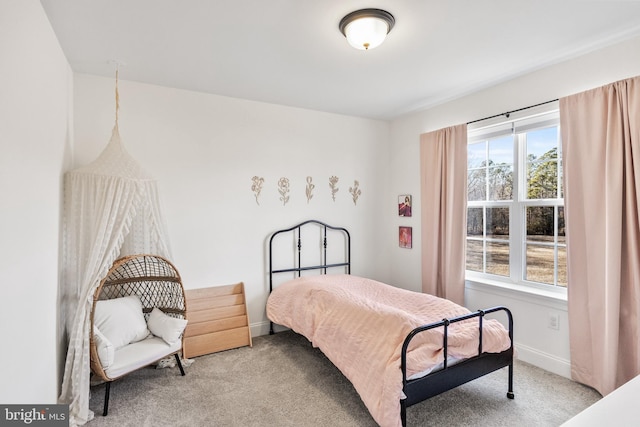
{"x": 515, "y": 205}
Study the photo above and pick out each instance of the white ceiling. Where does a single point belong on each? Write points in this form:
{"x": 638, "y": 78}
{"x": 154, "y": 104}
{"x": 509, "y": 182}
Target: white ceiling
{"x": 290, "y": 52}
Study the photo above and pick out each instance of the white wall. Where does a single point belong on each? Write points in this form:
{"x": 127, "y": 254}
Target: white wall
{"x": 536, "y": 342}
{"x": 204, "y": 149}
{"x": 35, "y": 114}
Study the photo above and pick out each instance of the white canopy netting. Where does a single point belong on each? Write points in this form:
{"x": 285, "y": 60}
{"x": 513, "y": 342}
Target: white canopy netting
{"x": 111, "y": 209}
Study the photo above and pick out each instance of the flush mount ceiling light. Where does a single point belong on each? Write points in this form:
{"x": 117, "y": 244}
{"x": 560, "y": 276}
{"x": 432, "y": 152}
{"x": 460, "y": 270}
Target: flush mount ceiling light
{"x": 366, "y": 28}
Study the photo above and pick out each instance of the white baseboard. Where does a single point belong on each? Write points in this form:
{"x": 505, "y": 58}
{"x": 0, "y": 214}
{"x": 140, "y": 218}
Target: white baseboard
{"x": 261, "y": 328}
{"x": 543, "y": 360}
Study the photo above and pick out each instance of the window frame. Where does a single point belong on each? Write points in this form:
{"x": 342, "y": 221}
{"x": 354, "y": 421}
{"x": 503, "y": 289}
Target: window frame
{"x": 537, "y": 118}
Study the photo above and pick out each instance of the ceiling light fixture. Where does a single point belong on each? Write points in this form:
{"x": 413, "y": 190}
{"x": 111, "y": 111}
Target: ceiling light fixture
{"x": 366, "y": 28}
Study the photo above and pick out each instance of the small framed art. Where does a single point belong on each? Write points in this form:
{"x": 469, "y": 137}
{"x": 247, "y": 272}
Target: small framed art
{"x": 404, "y": 205}
{"x": 405, "y": 237}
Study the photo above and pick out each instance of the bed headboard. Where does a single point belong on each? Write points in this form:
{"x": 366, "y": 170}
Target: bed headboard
{"x": 297, "y": 234}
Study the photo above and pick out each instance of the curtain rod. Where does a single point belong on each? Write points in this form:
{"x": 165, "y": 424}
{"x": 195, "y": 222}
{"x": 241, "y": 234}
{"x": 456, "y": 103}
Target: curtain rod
{"x": 512, "y": 111}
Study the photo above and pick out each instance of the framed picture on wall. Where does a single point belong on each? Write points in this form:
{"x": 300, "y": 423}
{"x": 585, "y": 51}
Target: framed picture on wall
{"x": 405, "y": 237}
{"x": 404, "y": 205}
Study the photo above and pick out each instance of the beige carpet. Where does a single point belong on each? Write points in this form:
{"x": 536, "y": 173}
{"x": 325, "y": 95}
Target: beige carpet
{"x": 283, "y": 381}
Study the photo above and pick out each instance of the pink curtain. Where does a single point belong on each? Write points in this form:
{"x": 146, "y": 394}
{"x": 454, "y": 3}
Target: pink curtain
{"x": 443, "y": 180}
{"x": 601, "y": 151}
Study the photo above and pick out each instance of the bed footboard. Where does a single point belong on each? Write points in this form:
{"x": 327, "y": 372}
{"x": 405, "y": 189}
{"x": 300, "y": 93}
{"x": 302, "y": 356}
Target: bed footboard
{"x": 449, "y": 377}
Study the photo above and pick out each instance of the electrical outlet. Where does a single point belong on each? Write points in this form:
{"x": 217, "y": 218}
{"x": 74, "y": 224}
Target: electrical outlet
{"x": 554, "y": 321}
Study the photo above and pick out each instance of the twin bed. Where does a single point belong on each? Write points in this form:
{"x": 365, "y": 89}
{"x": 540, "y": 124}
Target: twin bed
{"x": 397, "y": 347}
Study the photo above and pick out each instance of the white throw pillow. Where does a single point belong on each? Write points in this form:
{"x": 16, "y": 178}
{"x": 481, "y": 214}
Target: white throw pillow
{"x": 104, "y": 347}
{"x": 121, "y": 320}
{"x": 166, "y": 327}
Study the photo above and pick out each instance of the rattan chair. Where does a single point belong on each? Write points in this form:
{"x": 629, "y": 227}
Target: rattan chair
{"x": 157, "y": 283}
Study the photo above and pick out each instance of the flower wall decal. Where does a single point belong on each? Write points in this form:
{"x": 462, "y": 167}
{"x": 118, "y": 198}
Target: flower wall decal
{"x": 256, "y": 187}
{"x": 310, "y": 188}
{"x": 283, "y": 189}
{"x": 355, "y": 191}
{"x": 333, "y": 182}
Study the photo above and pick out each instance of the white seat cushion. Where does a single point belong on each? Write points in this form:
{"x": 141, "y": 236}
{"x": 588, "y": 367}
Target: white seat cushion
{"x": 139, "y": 354}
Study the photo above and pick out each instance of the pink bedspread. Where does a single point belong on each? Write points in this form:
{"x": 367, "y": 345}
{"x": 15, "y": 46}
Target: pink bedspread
{"x": 360, "y": 325}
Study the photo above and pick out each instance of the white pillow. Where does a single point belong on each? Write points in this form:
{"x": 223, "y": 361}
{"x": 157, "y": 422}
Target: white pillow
{"x": 166, "y": 327}
{"x": 121, "y": 320}
{"x": 104, "y": 347}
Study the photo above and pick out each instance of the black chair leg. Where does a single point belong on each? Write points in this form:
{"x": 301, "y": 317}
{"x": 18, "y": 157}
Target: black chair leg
{"x": 510, "y": 393}
{"x": 107, "y": 389}
{"x": 179, "y": 364}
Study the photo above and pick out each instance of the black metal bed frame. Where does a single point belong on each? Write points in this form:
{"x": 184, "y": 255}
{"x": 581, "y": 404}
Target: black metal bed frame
{"x": 450, "y": 377}
{"x": 434, "y": 383}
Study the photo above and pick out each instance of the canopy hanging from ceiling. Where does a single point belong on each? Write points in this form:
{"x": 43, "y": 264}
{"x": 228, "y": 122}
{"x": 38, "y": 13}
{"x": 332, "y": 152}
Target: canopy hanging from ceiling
{"x": 111, "y": 209}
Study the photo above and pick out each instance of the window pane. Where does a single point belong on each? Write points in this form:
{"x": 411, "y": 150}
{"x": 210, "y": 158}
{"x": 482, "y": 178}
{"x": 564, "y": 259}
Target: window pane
{"x": 501, "y": 151}
{"x": 541, "y": 141}
{"x": 498, "y": 258}
{"x": 477, "y": 155}
{"x": 476, "y": 185}
{"x": 474, "y": 255}
{"x": 542, "y": 163}
{"x": 562, "y": 266}
{"x": 540, "y": 224}
{"x": 501, "y": 182}
{"x": 475, "y": 225}
{"x": 498, "y": 223}
{"x": 542, "y": 182}
{"x": 540, "y": 264}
